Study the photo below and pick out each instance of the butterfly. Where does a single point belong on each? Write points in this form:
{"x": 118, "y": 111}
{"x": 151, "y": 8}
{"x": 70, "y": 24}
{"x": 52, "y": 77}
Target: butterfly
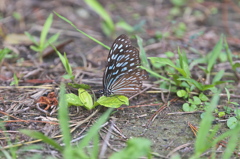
{"x": 122, "y": 75}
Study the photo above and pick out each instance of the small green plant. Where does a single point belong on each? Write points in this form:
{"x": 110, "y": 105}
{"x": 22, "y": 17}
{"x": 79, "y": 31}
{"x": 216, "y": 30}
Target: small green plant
{"x": 15, "y": 80}
{"x": 43, "y": 42}
{"x": 232, "y": 122}
{"x": 66, "y": 65}
{"x": 3, "y": 53}
{"x": 108, "y": 25}
{"x": 88, "y": 147}
{"x": 206, "y": 139}
{"x": 180, "y": 77}
{"x": 85, "y": 99}
{"x": 176, "y": 10}
{"x": 180, "y": 29}
{"x": 230, "y": 59}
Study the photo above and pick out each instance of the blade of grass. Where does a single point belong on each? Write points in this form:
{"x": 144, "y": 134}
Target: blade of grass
{"x": 45, "y": 30}
{"x": 93, "y": 131}
{"x": 232, "y": 143}
{"x": 184, "y": 63}
{"x": 214, "y": 54}
{"x": 90, "y": 37}
{"x": 97, "y": 7}
{"x": 202, "y": 142}
{"x": 228, "y": 51}
{"x": 143, "y": 56}
{"x": 63, "y": 116}
{"x": 38, "y": 135}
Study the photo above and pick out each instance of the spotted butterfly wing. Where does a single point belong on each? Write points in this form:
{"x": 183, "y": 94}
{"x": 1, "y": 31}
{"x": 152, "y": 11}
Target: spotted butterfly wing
{"x": 122, "y": 75}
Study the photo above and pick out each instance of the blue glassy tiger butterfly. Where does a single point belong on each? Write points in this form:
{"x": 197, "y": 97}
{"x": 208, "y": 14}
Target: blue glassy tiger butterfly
{"x": 122, "y": 75}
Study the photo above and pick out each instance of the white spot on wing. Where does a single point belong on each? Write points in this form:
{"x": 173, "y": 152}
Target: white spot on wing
{"x": 120, "y": 46}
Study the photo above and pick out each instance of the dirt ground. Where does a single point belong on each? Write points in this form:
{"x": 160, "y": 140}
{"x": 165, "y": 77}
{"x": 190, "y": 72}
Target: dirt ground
{"x": 169, "y": 131}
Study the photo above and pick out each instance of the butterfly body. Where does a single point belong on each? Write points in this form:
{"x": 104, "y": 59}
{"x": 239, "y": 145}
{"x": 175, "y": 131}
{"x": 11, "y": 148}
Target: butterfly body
{"x": 122, "y": 75}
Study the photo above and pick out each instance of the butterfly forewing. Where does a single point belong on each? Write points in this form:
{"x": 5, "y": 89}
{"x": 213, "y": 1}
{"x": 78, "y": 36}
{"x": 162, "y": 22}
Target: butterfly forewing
{"x": 122, "y": 75}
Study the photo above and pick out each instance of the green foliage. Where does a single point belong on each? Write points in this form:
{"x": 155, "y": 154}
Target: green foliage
{"x": 134, "y": 150}
{"x": 180, "y": 29}
{"x": 88, "y": 147}
{"x": 44, "y": 42}
{"x": 206, "y": 139}
{"x": 142, "y": 53}
{"x": 75, "y": 85}
{"x": 66, "y": 65}
{"x": 15, "y": 80}
{"x": 230, "y": 56}
{"x": 233, "y": 121}
{"x": 84, "y": 99}
{"x": 3, "y": 53}
{"x": 85, "y": 34}
{"x": 73, "y": 99}
{"x": 180, "y": 78}
{"x": 107, "y": 25}
{"x": 113, "y": 101}
{"x": 17, "y": 16}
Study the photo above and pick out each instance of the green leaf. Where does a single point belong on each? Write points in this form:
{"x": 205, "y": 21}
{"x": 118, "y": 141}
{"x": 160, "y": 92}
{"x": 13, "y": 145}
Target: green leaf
{"x": 34, "y": 48}
{"x": 156, "y": 74}
{"x": 67, "y": 66}
{"x": 105, "y": 29}
{"x": 73, "y": 99}
{"x": 63, "y": 117}
{"x": 181, "y": 93}
{"x": 237, "y": 113}
{"x": 15, "y": 80}
{"x": 233, "y": 143}
{"x": 3, "y": 53}
{"x": 38, "y": 135}
{"x": 227, "y": 109}
{"x": 32, "y": 38}
{"x": 143, "y": 56}
{"x": 228, "y": 94}
{"x": 45, "y": 30}
{"x": 97, "y": 7}
{"x": 67, "y": 76}
{"x": 84, "y": 86}
{"x": 184, "y": 63}
{"x": 124, "y": 25}
{"x": 235, "y": 66}
{"x": 189, "y": 108}
{"x": 51, "y": 40}
{"x": 221, "y": 114}
{"x": 203, "y": 97}
{"x": 196, "y": 100}
{"x": 202, "y": 141}
{"x": 218, "y": 76}
{"x": 91, "y": 134}
{"x": 85, "y": 98}
{"x": 166, "y": 61}
{"x": 232, "y": 122}
{"x": 192, "y": 81}
{"x": 234, "y": 103}
{"x": 214, "y": 54}
{"x": 136, "y": 148}
{"x": 228, "y": 51}
{"x": 113, "y": 101}
{"x": 178, "y": 3}
{"x": 90, "y": 37}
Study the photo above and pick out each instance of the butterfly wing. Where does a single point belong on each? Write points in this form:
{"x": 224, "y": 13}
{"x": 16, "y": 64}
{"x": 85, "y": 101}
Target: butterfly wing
{"x": 122, "y": 74}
